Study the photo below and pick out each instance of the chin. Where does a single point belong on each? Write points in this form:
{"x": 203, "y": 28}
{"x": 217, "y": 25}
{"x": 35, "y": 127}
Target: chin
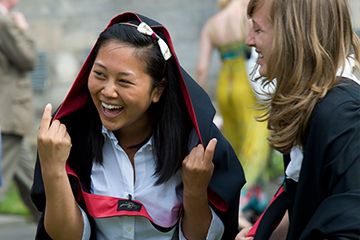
{"x": 262, "y": 71}
{"x": 109, "y": 126}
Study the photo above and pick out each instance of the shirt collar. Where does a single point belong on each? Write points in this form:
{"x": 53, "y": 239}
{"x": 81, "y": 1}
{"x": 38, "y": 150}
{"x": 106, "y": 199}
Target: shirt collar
{"x": 348, "y": 69}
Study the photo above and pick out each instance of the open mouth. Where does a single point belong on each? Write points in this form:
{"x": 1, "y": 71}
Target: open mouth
{"x": 260, "y": 58}
{"x": 110, "y": 110}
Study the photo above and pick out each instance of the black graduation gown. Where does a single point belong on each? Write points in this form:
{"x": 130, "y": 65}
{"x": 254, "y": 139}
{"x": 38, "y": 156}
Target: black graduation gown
{"x": 228, "y": 177}
{"x": 326, "y": 203}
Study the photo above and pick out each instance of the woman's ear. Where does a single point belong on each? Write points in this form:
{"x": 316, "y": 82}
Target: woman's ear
{"x": 157, "y": 91}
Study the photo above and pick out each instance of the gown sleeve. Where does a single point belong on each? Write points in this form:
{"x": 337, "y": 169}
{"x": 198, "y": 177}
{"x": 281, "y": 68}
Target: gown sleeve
{"x": 338, "y": 215}
{"x": 215, "y": 231}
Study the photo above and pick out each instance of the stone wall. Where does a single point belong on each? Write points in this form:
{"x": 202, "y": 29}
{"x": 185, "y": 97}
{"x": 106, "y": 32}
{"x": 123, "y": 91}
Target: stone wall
{"x": 65, "y": 30}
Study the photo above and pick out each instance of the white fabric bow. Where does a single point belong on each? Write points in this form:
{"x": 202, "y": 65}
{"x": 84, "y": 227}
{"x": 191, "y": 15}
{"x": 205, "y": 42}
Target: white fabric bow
{"x": 146, "y": 29}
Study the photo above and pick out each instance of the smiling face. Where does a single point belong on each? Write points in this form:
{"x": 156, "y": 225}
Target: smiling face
{"x": 261, "y": 34}
{"x": 121, "y": 89}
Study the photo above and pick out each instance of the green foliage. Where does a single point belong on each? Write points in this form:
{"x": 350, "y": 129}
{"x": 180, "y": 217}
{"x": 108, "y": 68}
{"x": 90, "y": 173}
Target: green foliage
{"x": 275, "y": 165}
{"x": 12, "y": 204}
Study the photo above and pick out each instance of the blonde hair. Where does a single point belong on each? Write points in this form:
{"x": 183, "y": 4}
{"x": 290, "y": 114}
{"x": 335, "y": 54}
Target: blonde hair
{"x": 313, "y": 39}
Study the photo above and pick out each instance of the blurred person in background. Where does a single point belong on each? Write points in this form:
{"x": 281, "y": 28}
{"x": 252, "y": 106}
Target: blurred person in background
{"x": 17, "y": 60}
{"x": 236, "y": 98}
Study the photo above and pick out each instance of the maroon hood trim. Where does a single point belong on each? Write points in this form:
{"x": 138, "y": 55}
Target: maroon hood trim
{"x": 79, "y": 94}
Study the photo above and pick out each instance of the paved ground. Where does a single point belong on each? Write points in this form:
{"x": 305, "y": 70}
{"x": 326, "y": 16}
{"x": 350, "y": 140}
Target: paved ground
{"x": 16, "y": 228}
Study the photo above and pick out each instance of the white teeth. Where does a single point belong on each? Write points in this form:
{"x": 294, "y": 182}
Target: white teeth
{"x": 109, "y": 106}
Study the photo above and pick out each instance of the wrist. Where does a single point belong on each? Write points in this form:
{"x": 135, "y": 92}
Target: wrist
{"x": 195, "y": 195}
{"x": 53, "y": 172}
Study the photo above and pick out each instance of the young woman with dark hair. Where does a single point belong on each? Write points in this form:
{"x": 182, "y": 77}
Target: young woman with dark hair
{"x": 132, "y": 152}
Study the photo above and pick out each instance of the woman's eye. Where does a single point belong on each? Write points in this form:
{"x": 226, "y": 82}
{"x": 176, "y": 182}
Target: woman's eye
{"x": 99, "y": 74}
{"x": 124, "y": 82}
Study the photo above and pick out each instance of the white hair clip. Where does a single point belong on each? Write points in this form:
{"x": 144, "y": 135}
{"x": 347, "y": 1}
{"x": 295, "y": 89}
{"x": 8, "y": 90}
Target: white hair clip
{"x": 146, "y": 29}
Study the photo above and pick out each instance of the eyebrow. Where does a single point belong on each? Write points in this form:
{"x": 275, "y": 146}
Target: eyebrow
{"x": 119, "y": 73}
{"x": 255, "y": 22}
{"x": 99, "y": 64}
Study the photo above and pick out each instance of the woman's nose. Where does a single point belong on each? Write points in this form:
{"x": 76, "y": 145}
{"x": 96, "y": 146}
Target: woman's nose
{"x": 109, "y": 90}
{"x": 250, "y": 39}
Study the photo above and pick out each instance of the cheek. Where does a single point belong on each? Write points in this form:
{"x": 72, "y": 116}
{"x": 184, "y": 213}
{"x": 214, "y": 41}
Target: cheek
{"x": 89, "y": 82}
{"x": 269, "y": 43}
{"x": 94, "y": 89}
{"x": 92, "y": 86}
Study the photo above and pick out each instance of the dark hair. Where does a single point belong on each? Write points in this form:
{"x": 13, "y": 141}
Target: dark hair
{"x": 171, "y": 122}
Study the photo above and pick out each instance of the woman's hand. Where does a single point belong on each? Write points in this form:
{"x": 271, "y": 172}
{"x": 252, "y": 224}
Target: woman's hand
{"x": 20, "y": 20}
{"x": 54, "y": 143}
{"x": 62, "y": 213}
{"x": 197, "y": 169}
{"x": 242, "y": 234}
